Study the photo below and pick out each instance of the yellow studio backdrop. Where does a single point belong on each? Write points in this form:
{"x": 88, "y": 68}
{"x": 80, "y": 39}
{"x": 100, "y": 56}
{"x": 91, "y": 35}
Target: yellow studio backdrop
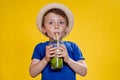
{"x": 96, "y": 31}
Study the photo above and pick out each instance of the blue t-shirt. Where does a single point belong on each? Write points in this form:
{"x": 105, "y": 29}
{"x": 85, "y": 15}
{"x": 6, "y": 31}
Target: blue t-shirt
{"x": 66, "y": 73}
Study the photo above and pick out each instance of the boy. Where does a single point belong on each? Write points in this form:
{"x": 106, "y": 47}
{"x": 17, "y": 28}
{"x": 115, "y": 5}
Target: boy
{"x": 56, "y": 19}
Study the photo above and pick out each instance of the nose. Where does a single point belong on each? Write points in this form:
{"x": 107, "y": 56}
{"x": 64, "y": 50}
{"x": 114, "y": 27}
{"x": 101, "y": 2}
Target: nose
{"x": 56, "y": 27}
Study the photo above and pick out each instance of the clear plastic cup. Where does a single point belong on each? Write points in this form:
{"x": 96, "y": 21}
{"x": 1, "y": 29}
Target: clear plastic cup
{"x": 56, "y": 62}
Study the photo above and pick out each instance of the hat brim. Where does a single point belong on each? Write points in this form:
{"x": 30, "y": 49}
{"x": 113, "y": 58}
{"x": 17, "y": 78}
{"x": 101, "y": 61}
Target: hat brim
{"x": 59, "y": 6}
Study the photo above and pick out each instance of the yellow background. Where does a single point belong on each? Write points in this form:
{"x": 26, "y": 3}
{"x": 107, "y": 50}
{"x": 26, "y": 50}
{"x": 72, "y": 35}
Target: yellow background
{"x": 96, "y": 31}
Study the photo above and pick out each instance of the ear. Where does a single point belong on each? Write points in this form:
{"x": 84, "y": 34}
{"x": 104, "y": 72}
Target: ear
{"x": 66, "y": 30}
{"x": 44, "y": 30}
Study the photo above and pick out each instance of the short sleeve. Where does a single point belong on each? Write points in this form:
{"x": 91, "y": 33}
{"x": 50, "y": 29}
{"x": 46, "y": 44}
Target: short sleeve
{"x": 77, "y": 53}
{"x": 36, "y": 53}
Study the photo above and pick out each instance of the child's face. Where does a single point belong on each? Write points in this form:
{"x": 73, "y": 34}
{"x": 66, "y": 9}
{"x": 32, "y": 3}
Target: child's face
{"x": 54, "y": 24}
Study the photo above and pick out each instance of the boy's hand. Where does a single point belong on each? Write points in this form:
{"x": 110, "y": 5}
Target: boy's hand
{"x": 63, "y": 53}
{"x": 50, "y": 52}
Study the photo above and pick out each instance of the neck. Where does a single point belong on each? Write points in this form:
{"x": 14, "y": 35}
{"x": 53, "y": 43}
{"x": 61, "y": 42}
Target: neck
{"x": 54, "y": 40}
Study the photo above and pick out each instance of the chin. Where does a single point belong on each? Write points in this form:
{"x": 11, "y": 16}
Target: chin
{"x": 54, "y": 38}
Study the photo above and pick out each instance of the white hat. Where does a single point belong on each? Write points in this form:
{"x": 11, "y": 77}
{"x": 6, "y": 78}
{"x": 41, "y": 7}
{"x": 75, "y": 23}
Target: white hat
{"x": 58, "y": 6}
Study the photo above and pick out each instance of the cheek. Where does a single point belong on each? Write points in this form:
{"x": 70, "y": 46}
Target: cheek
{"x": 63, "y": 30}
{"x": 49, "y": 31}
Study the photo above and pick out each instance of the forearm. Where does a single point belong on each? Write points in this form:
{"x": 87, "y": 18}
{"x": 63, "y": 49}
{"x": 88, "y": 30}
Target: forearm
{"x": 78, "y": 67}
{"x": 37, "y": 68}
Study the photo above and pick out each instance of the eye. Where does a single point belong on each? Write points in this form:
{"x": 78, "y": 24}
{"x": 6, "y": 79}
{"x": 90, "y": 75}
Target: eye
{"x": 61, "y": 22}
{"x": 50, "y": 22}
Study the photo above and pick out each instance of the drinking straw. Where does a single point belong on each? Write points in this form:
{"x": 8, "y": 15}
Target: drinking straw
{"x": 57, "y": 40}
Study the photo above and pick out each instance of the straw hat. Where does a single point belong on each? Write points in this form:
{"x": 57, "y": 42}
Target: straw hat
{"x": 59, "y": 6}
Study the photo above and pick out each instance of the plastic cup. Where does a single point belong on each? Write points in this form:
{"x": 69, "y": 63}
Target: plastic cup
{"x": 56, "y": 62}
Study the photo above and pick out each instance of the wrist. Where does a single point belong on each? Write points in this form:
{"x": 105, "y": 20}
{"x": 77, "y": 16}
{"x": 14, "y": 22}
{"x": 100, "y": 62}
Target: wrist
{"x": 68, "y": 61}
{"x": 45, "y": 60}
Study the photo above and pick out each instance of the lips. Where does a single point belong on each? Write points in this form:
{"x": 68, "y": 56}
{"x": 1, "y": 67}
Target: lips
{"x": 56, "y": 32}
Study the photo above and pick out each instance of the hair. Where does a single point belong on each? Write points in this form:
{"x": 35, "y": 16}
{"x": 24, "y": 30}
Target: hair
{"x": 56, "y": 11}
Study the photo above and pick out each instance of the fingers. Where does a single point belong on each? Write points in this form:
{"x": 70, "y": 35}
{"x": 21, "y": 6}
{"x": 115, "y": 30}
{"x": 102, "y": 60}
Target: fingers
{"x": 62, "y": 47}
{"x": 61, "y": 55}
{"x": 50, "y": 52}
{"x": 62, "y": 51}
{"x": 50, "y": 49}
{"x": 53, "y": 51}
{"x": 53, "y": 55}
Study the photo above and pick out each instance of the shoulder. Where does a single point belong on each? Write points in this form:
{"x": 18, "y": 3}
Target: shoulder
{"x": 70, "y": 43}
{"x": 41, "y": 45}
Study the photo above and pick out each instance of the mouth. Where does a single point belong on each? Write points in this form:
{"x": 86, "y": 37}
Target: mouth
{"x": 56, "y": 35}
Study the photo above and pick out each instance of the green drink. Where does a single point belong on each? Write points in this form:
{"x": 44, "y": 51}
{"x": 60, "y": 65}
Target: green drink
{"x": 56, "y": 62}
